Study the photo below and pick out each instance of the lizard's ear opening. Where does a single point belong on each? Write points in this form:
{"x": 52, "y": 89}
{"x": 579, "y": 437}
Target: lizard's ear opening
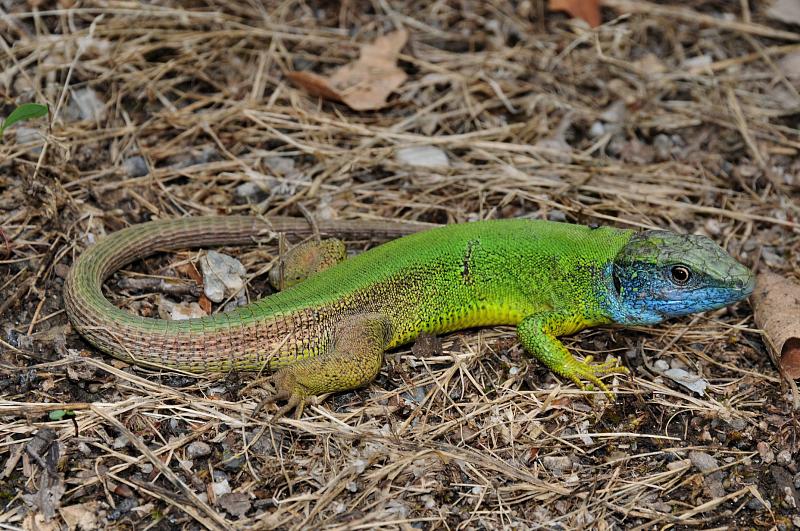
{"x": 617, "y": 282}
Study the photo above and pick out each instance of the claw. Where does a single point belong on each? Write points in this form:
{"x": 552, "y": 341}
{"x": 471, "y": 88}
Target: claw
{"x": 269, "y": 399}
{"x": 586, "y": 370}
{"x": 296, "y": 403}
{"x": 285, "y": 389}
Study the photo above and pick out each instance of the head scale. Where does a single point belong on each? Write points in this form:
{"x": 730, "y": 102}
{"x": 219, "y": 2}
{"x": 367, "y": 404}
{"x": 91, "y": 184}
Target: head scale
{"x": 658, "y": 275}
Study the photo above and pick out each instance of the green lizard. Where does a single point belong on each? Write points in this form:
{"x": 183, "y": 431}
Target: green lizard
{"x": 329, "y": 332}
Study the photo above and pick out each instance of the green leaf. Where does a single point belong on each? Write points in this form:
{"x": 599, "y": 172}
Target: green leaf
{"x": 26, "y": 111}
{"x": 59, "y": 414}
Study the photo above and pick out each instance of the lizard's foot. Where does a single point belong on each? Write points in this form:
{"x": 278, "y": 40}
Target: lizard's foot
{"x": 286, "y": 388}
{"x": 352, "y": 359}
{"x": 577, "y": 371}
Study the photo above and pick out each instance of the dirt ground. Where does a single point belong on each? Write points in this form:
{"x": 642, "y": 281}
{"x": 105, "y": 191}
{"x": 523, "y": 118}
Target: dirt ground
{"x": 676, "y": 115}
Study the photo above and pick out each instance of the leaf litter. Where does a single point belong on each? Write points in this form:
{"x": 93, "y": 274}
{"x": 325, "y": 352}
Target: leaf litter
{"x": 366, "y": 83}
{"x": 776, "y": 305}
{"x": 538, "y": 116}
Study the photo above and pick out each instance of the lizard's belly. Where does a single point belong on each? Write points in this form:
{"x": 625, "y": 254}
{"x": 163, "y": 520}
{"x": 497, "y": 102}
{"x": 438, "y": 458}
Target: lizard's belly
{"x": 467, "y": 317}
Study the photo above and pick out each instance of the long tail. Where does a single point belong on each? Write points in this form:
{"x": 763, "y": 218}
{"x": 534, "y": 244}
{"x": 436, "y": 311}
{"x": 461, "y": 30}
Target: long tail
{"x": 208, "y": 343}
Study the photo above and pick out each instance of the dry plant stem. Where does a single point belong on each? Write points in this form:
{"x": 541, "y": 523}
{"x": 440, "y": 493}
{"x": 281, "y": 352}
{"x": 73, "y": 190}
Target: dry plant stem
{"x": 689, "y": 15}
{"x": 206, "y": 516}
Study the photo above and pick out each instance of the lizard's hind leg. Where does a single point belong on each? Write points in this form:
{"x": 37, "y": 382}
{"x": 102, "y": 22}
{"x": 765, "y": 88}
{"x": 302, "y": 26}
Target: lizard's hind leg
{"x": 352, "y": 360}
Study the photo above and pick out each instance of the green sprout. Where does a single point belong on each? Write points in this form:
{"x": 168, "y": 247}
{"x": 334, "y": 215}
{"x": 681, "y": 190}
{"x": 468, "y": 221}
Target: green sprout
{"x": 26, "y": 111}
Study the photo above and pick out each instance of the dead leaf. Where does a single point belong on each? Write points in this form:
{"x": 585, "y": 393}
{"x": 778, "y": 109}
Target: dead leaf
{"x": 190, "y": 270}
{"x": 47, "y": 499}
{"x": 588, "y": 10}
{"x": 366, "y": 83}
{"x": 236, "y": 503}
{"x": 37, "y": 522}
{"x": 690, "y": 381}
{"x": 776, "y": 304}
{"x": 81, "y": 517}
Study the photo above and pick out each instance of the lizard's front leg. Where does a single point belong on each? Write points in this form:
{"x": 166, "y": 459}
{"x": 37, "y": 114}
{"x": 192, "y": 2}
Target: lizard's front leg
{"x": 352, "y": 360}
{"x": 538, "y": 334}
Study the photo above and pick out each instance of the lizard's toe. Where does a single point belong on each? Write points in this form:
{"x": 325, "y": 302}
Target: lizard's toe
{"x": 591, "y": 372}
{"x": 286, "y": 388}
{"x": 296, "y": 402}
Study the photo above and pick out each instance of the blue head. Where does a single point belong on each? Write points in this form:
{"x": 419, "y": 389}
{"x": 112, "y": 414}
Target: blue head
{"x": 658, "y": 275}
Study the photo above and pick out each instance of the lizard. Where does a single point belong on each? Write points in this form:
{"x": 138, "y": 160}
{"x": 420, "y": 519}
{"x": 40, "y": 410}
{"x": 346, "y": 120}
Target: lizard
{"x": 329, "y": 332}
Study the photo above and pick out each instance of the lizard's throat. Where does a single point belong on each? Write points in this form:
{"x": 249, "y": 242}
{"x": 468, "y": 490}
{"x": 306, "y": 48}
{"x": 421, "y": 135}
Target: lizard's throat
{"x": 621, "y": 303}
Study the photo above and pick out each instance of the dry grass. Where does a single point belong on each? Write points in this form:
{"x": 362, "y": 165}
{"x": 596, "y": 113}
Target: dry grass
{"x": 471, "y": 436}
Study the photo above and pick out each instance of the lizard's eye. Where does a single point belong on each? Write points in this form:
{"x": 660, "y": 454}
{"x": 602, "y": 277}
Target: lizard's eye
{"x": 680, "y": 274}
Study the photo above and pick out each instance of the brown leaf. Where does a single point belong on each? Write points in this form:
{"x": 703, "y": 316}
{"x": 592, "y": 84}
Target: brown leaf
{"x": 364, "y": 84}
{"x": 205, "y": 304}
{"x": 776, "y": 304}
{"x": 314, "y": 84}
{"x": 588, "y": 10}
{"x": 189, "y": 269}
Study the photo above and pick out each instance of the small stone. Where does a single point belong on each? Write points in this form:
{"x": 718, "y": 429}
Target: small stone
{"x": 231, "y": 462}
{"x": 690, "y": 381}
{"x": 790, "y": 65}
{"x": 754, "y": 504}
{"x": 787, "y": 11}
{"x": 85, "y": 104}
{"x": 198, "y": 449}
{"x": 771, "y": 257}
{"x": 206, "y": 155}
{"x": 223, "y": 275}
{"x": 660, "y": 506}
{"x": 360, "y": 465}
{"x": 557, "y": 464}
{"x": 428, "y": 501}
{"x": 597, "y": 130}
{"x": 662, "y": 144}
{"x": 784, "y": 457}
{"x": 698, "y": 61}
{"x": 178, "y": 311}
{"x": 765, "y": 452}
{"x": 738, "y": 424}
{"x": 677, "y": 465}
{"x": 651, "y": 65}
{"x": 28, "y": 135}
{"x": 660, "y": 366}
{"x": 703, "y": 461}
{"x": 221, "y": 487}
{"x": 252, "y": 191}
{"x": 712, "y": 227}
{"x": 135, "y": 166}
{"x": 280, "y": 165}
{"x": 422, "y": 156}
{"x": 615, "y": 113}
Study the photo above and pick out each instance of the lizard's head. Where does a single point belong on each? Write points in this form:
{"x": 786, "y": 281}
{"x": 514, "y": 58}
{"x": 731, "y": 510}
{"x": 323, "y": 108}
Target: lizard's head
{"x": 658, "y": 275}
